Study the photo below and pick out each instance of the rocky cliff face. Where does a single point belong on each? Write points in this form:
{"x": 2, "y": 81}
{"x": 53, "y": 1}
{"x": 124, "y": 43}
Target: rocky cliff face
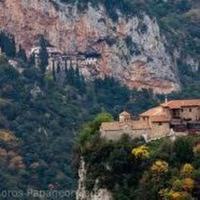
{"x": 96, "y": 194}
{"x": 132, "y": 50}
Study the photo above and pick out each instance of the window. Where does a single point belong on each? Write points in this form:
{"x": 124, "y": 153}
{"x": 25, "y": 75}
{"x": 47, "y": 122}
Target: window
{"x": 176, "y": 113}
{"x": 145, "y": 118}
{"x": 190, "y": 109}
{"x": 160, "y": 124}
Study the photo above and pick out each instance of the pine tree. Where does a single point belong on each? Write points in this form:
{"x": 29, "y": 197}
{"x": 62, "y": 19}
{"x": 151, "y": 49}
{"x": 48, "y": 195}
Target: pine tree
{"x": 79, "y": 81}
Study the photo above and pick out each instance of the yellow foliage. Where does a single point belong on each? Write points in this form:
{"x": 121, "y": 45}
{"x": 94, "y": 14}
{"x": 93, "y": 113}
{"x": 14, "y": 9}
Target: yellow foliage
{"x": 168, "y": 194}
{"x": 6, "y": 136}
{"x": 187, "y": 170}
{"x": 178, "y": 195}
{"x": 16, "y": 163}
{"x": 141, "y": 152}
{"x": 159, "y": 167}
{"x": 177, "y": 185}
{"x": 188, "y": 184}
{"x": 196, "y": 149}
{"x": 14, "y": 160}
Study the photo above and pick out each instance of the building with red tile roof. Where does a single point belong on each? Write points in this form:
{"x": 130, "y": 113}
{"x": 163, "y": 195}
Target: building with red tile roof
{"x": 183, "y": 116}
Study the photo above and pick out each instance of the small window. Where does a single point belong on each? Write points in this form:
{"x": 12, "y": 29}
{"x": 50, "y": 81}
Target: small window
{"x": 160, "y": 124}
{"x": 190, "y": 109}
{"x": 145, "y": 118}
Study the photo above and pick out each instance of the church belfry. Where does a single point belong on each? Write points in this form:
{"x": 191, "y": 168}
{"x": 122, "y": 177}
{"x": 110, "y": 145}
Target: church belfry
{"x": 124, "y": 117}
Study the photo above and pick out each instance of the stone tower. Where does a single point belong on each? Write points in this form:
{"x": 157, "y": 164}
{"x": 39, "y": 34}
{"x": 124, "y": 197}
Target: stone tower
{"x": 124, "y": 117}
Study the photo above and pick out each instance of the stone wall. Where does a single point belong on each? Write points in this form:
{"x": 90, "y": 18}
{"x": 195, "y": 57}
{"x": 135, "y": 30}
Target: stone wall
{"x": 192, "y": 113}
{"x": 160, "y": 130}
{"x": 117, "y": 134}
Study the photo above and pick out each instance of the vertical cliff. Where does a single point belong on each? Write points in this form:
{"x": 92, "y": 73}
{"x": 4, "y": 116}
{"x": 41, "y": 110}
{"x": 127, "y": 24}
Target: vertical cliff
{"x": 132, "y": 49}
{"x": 83, "y": 194}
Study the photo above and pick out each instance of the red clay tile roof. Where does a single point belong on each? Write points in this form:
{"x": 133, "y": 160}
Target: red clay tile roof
{"x": 160, "y": 118}
{"x": 175, "y": 104}
{"x": 152, "y": 112}
{"x": 156, "y": 115}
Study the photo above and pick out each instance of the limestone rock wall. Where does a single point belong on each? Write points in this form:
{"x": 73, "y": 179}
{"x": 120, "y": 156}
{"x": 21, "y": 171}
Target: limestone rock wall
{"x": 132, "y": 50}
{"x": 82, "y": 194}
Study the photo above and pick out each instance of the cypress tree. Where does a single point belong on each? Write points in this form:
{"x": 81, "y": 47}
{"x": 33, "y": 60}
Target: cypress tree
{"x": 21, "y": 54}
{"x": 31, "y": 60}
{"x": 7, "y": 44}
{"x": 54, "y": 73}
{"x": 70, "y": 76}
{"x": 43, "y": 55}
{"x": 58, "y": 68}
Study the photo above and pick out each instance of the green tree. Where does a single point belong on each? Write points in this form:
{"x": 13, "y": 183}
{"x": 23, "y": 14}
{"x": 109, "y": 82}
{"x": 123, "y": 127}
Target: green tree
{"x": 43, "y": 55}
{"x": 7, "y": 44}
{"x": 21, "y": 54}
{"x": 91, "y": 128}
{"x": 183, "y": 150}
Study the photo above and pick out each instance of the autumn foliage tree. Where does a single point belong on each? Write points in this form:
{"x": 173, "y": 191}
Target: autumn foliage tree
{"x": 187, "y": 170}
{"x": 141, "y": 152}
{"x": 159, "y": 167}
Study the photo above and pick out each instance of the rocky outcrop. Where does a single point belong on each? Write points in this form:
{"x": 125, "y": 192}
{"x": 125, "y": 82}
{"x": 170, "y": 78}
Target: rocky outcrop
{"x": 83, "y": 194}
{"x": 132, "y": 49}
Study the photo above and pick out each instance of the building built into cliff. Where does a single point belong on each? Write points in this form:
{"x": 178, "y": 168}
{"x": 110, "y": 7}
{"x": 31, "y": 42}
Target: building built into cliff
{"x": 58, "y": 59}
{"x": 177, "y": 117}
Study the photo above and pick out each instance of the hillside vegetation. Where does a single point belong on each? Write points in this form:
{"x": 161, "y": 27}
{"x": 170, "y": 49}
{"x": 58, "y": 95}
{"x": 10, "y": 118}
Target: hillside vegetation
{"x": 131, "y": 169}
{"x": 39, "y": 118}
